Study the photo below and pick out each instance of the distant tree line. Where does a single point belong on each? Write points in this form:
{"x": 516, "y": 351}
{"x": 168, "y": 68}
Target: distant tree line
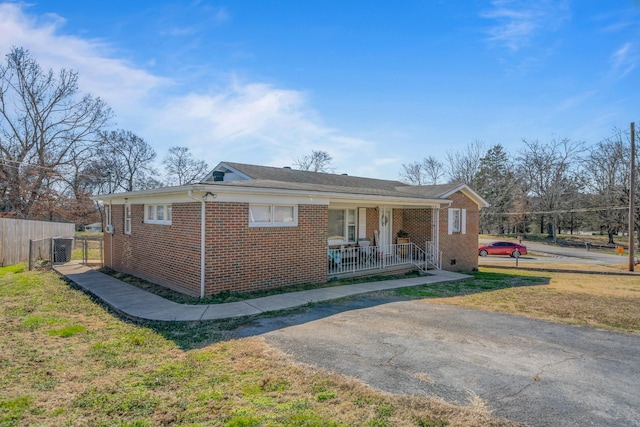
{"x": 57, "y": 147}
{"x": 561, "y": 185}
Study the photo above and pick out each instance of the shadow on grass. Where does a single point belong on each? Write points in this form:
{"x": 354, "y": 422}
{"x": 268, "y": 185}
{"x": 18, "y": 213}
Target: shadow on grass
{"x": 192, "y": 335}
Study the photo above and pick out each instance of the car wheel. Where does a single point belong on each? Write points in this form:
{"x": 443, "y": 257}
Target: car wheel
{"x": 515, "y": 254}
{"x": 483, "y": 253}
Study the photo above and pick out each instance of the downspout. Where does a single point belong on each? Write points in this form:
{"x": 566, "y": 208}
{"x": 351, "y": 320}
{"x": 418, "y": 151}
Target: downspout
{"x": 202, "y": 240}
{"x": 110, "y": 235}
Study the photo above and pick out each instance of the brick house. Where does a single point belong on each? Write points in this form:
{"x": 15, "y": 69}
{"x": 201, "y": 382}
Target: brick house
{"x": 247, "y": 227}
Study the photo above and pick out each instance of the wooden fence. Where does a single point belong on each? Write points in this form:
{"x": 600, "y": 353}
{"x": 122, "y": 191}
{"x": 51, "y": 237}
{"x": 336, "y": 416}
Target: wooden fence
{"x": 16, "y": 233}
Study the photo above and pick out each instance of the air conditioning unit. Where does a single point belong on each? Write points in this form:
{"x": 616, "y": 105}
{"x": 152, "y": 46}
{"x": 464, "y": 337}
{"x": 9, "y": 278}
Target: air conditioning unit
{"x": 110, "y": 229}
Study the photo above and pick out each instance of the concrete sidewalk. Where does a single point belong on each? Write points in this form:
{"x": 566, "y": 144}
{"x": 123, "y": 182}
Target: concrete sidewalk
{"x": 137, "y": 303}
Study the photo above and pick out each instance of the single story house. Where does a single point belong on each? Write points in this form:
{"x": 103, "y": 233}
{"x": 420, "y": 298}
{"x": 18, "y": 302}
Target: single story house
{"x": 247, "y": 227}
{"x": 96, "y": 226}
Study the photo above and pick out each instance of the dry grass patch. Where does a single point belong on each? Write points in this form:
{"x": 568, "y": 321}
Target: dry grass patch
{"x": 64, "y": 360}
{"x": 606, "y": 301}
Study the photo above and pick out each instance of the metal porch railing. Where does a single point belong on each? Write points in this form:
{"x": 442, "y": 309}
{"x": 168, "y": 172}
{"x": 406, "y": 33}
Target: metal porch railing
{"x": 362, "y": 258}
{"x": 434, "y": 256}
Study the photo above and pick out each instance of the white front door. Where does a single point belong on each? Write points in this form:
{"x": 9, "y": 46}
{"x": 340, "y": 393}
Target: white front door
{"x": 385, "y": 220}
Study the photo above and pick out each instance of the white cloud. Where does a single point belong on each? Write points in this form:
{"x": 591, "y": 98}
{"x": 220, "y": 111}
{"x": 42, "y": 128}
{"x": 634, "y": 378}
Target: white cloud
{"x": 575, "y": 101}
{"x": 518, "y": 22}
{"x": 110, "y": 78}
{"x": 624, "y": 60}
{"x": 249, "y": 120}
{"x": 252, "y": 122}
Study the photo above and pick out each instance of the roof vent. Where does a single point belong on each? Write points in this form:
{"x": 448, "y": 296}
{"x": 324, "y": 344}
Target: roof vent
{"x": 286, "y": 167}
{"x": 218, "y": 176}
{"x": 345, "y": 174}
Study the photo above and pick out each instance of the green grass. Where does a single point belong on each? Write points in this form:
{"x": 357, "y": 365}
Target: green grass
{"x": 65, "y": 360}
{"x": 482, "y": 282}
{"x": 11, "y": 269}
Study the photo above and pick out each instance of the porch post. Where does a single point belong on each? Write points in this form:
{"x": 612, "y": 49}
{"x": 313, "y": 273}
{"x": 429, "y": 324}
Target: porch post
{"x": 436, "y": 228}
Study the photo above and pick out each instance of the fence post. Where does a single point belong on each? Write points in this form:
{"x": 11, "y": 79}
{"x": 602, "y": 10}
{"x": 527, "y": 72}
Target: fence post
{"x": 30, "y": 253}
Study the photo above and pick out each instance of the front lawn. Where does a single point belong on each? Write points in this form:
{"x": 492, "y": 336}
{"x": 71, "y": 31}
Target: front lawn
{"x": 65, "y": 360}
{"x": 609, "y": 301}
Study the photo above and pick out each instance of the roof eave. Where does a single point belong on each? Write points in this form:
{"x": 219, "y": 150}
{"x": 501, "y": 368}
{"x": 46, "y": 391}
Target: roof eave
{"x": 481, "y": 202}
{"x": 221, "y": 188}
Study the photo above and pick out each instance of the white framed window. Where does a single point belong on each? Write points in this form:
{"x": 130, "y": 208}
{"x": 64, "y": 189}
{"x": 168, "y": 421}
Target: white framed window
{"x": 127, "y": 219}
{"x": 342, "y": 225}
{"x": 107, "y": 215}
{"x": 457, "y": 221}
{"x": 157, "y": 214}
{"x": 261, "y": 215}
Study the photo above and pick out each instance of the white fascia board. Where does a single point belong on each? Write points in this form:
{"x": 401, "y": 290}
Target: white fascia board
{"x": 213, "y": 193}
{"x": 482, "y": 203}
{"x": 364, "y": 201}
{"x": 225, "y": 167}
{"x": 222, "y": 193}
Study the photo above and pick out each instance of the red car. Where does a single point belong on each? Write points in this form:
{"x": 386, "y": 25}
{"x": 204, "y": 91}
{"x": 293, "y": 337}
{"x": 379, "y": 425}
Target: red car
{"x": 502, "y": 248}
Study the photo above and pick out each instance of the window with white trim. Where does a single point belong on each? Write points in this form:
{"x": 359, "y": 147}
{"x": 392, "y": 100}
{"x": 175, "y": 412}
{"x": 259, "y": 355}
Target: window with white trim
{"x": 342, "y": 225}
{"x": 157, "y": 214}
{"x": 262, "y": 215}
{"x": 107, "y": 215}
{"x": 127, "y": 219}
{"x": 457, "y": 221}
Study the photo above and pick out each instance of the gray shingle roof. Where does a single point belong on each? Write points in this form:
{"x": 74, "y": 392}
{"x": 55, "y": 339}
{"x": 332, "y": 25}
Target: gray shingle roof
{"x": 292, "y": 179}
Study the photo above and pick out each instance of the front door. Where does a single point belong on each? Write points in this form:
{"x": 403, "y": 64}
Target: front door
{"x": 386, "y": 240}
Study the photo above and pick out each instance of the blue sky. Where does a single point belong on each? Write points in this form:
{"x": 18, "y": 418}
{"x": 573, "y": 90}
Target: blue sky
{"x": 375, "y": 84}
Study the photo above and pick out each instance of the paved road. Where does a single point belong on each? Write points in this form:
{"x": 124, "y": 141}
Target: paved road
{"x": 536, "y": 372}
{"x": 540, "y": 252}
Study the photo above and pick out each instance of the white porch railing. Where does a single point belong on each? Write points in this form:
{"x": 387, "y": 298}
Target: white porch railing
{"x": 356, "y": 259}
{"x": 434, "y": 256}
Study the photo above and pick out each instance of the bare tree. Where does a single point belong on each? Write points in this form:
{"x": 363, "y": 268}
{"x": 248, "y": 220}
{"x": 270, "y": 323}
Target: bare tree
{"x": 126, "y": 160}
{"x": 433, "y": 170}
{"x": 464, "y": 166}
{"x": 427, "y": 172}
{"x": 181, "y": 168}
{"x": 552, "y": 178}
{"x": 607, "y": 169}
{"x": 412, "y": 173}
{"x": 44, "y": 125}
{"x": 317, "y": 161}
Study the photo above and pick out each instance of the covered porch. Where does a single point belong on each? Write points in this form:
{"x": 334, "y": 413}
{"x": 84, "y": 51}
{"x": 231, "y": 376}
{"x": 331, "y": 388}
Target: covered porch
{"x": 366, "y": 259}
{"x": 368, "y": 240}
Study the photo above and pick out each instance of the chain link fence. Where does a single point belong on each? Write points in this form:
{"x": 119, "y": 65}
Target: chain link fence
{"x": 43, "y": 253}
{"x": 40, "y": 253}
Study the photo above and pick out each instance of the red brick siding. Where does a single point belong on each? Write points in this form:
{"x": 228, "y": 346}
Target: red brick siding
{"x": 168, "y": 255}
{"x": 373, "y": 221}
{"x": 417, "y": 223}
{"x": 238, "y": 258}
{"x": 242, "y": 258}
{"x": 396, "y": 224}
{"x": 463, "y": 248}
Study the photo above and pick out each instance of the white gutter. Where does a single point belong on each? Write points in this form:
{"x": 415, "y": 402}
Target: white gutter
{"x": 202, "y": 240}
{"x": 223, "y": 190}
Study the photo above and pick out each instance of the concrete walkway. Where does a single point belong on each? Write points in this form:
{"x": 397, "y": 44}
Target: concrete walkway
{"x": 137, "y": 303}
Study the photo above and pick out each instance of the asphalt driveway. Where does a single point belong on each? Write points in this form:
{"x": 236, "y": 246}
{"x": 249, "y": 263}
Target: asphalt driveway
{"x": 536, "y": 372}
